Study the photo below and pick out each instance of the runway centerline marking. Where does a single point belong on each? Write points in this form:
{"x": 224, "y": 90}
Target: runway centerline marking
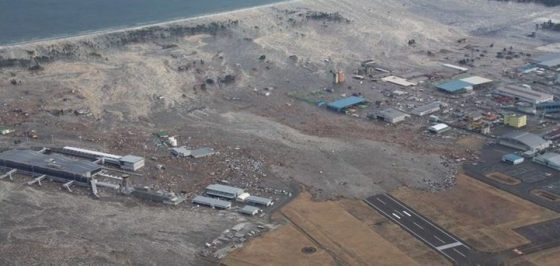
{"x": 419, "y": 226}
{"x": 440, "y": 240}
{"x": 460, "y": 253}
{"x": 452, "y": 245}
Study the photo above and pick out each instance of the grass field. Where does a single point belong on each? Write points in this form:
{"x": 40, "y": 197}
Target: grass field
{"x": 478, "y": 213}
{"x": 338, "y": 235}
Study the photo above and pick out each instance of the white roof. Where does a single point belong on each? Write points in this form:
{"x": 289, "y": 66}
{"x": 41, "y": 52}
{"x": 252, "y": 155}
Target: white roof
{"x": 526, "y": 94}
{"x": 251, "y": 210}
{"x": 463, "y": 69}
{"x": 476, "y": 80}
{"x": 399, "y": 81}
{"x": 260, "y": 200}
{"x": 211, "y": 202}
{"x": 92, "y": 153}
{"x": 226, "y": 189}
{"x": 550, "y": 157}
{"x": 438, "y": 127}
{"x": 131, "y": 158}
{"x": 529, "y": 139}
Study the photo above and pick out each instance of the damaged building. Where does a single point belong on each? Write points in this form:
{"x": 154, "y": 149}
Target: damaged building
{"x": 52, "y": 165}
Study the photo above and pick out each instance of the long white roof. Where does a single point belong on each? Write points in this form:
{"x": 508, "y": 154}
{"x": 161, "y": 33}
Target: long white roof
{"x": 439, "y": 127}
{"x": 476, "y": 80}
{"x": 94, "y": 153}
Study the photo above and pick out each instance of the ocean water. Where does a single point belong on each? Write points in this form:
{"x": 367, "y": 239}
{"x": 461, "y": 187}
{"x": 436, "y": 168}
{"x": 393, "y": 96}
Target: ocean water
{"x": 27, "y": 20}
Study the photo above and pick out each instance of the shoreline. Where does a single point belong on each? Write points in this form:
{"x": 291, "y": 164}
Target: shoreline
{"x": 94, "y": 33}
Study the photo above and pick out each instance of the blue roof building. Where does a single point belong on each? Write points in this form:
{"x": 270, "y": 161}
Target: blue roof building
{"x": 513, "y": 159}
{"x": 455, "y": 86}
{"x": 345, "y": 103}
{"x": 549, "y": 107}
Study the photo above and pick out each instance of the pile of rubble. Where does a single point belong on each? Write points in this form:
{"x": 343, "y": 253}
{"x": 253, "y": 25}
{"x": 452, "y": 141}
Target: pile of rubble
{"x": 233, "y": 238}
{"x": 246, "y": 167}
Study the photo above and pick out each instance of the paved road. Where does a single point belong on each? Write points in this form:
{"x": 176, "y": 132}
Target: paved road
{"x": 442, "y": 241}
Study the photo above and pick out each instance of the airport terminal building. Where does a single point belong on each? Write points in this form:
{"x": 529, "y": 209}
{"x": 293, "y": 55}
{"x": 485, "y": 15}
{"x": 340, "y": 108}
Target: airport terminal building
{"x": 54, "y": 165}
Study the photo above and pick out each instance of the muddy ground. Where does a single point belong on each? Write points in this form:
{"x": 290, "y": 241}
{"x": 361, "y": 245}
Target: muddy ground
{"x": 236, "y": 82}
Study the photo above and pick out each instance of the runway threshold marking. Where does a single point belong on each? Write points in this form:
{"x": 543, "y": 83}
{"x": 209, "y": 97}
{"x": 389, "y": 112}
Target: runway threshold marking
{"x": 408, "y": 229}
{"x": 427, "y": 221}
{"x": 448, "y": 246}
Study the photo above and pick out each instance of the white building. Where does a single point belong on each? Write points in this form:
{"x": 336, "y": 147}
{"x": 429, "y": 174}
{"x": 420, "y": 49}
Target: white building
{"x": 524, "y": 141}
{"x": 224, "y": 191}
{"x": 549, "y": 159}
{"x": 439, "y": 128}
{"x": 525, "y": 94}
{"x": 131, "y": 162}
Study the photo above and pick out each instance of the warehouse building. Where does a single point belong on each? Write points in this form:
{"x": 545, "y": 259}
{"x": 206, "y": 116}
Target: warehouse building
{"x": 259, "y": 201}
{"x": 181, "y": 151}
{"x": 549, "y": 61}
{"x": 54, "y": 165}
{"x": 455, "y": 87}
{"x": 549, "y": 159}
{"x": 512, "y": 159}
{"x": 398, "y": 81}
{"x": 439, "y": 128}
{"x": 478, "y": 82}
{"x": 524, "y": 141}
{"x": 131, "y": 162}
{"x": 343, "y": 104}
{"x": 224, "y": 191}
{"x": 525, "y": 94}
{"x": 390, "y": 115}
{"x": 427, "y": 109}
{"x": 250, "y": 210}
{"x": 211, "y": 202}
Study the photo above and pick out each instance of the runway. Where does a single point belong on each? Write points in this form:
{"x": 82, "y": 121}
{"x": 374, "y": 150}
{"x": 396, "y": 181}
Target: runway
{"x": 420, "y": 227}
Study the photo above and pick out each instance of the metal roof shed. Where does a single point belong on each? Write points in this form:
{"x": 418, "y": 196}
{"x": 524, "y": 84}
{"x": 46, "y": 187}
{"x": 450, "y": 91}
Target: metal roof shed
{"x": 211, "y": 202}
{"x": 455, "y": 86}
{"x": 392, "y": 115}
{"x": 513, "y": 159}
{"x": 181, "y": 151}
{"x": 259, "y": 201}
{"x": 202, "y": 152}
{"x": 548, "y": 60}
{"x": 476, "y": 80}
{"x": 345, "y": 103}
{"x": 439, "y": 128}
{"x": 224, "y": 191}
{"x": 549, "y": 159}
{"x": 524, "y": 141}
{"x": 250, "y": 210}
{"x": 427, "y": 109}
{"x": 131, "y": 162}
